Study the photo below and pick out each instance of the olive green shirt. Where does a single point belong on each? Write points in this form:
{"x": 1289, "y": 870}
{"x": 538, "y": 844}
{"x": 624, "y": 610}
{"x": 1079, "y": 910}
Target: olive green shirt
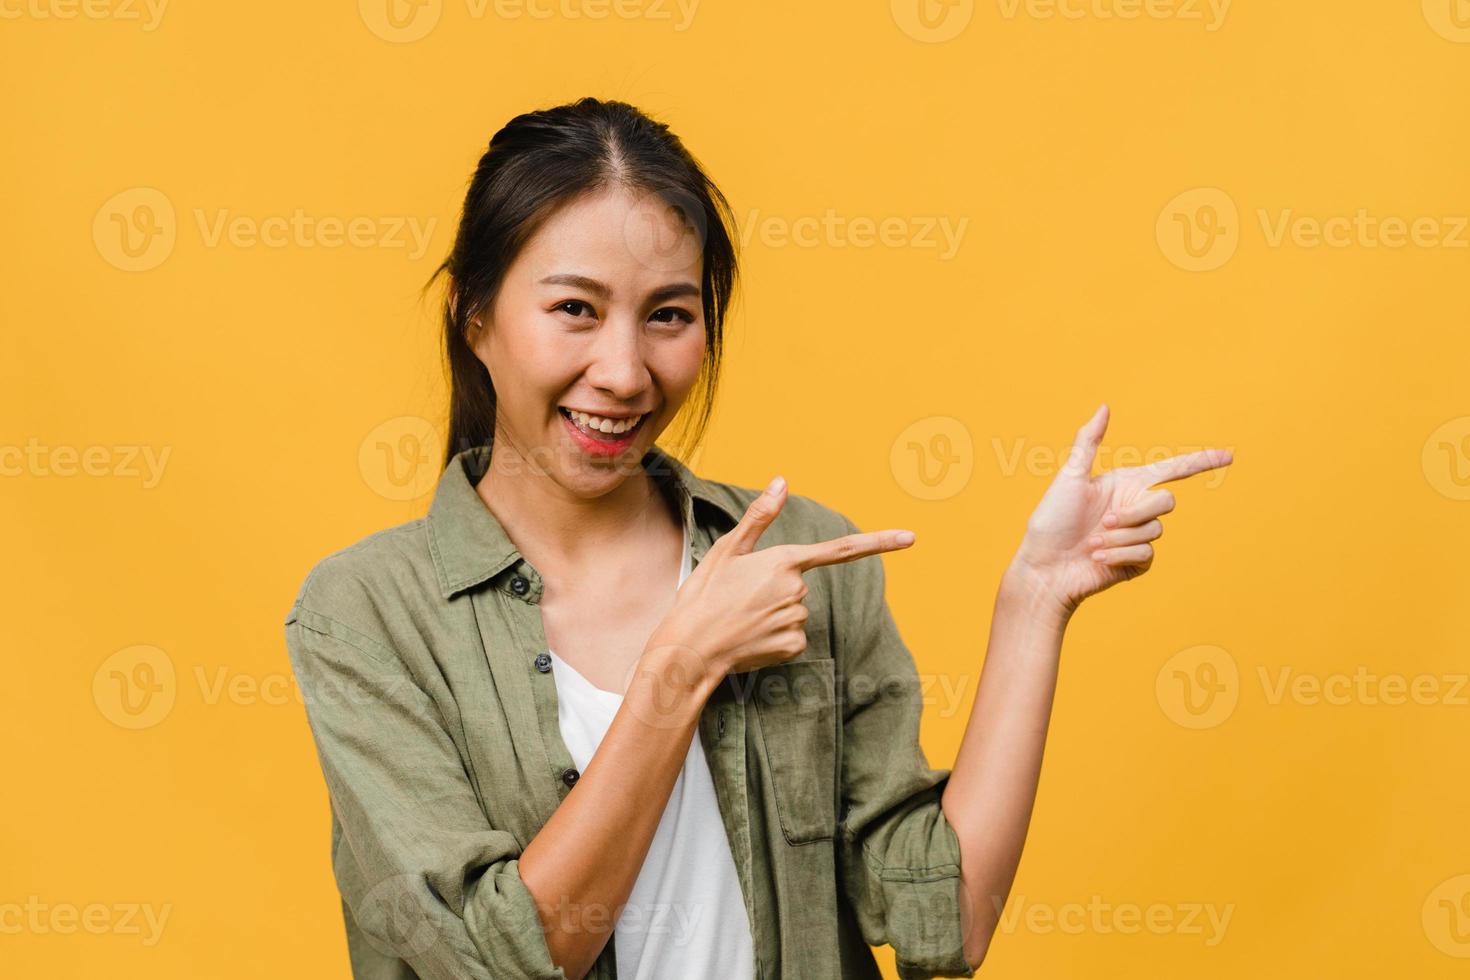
{"x": 422, "y": 661}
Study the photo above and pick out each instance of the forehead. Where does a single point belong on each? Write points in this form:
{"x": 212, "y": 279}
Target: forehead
{"x": 630, "y": 239}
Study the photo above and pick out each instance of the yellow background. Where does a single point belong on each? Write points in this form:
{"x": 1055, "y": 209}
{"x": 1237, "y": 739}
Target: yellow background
{"x": 1333, "y": 833}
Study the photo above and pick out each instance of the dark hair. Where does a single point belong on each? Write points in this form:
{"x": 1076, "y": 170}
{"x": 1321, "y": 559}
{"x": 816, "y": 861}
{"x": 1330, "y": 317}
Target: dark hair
{"x": 536, "y": 163}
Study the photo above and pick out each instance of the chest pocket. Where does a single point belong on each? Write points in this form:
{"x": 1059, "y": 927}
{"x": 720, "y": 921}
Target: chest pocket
{"x": 797, "y": 706}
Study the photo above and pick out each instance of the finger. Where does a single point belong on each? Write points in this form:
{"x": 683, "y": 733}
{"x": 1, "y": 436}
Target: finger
{"x": 1117, "y": 538}
{"x": 1187, "y": 464}
{"x": 1134, "y": 554}
{"x": 1153, "y": 504}
{"x": 847, "y": 548}
{"x": 741, "y": 539}
{"x": 1084, "y": 447}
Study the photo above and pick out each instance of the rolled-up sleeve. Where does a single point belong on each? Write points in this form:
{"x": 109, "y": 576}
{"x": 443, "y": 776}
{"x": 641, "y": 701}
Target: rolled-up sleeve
{"x": 899, "y": 858}
{"x": 424, "y": 877}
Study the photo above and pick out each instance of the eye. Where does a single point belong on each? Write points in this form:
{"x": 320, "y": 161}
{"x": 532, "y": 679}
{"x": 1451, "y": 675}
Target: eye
{"x": 575, "y": 304}
{"x": 684, "y": 315}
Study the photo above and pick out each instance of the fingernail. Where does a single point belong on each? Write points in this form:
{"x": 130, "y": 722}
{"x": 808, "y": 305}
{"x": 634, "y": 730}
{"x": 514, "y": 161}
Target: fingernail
{"x": 776, "y": 485}
{"x": 904, "y": 537}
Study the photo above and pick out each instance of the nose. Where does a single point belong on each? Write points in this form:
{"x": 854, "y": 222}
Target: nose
{"x": 617, "y": 364}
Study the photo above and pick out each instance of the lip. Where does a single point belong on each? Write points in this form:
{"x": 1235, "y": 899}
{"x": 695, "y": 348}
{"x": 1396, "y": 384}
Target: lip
{"x": 601, "y": 447}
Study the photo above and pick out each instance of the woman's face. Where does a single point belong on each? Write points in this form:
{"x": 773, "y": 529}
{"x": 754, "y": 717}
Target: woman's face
{"x": 601, "y": 314}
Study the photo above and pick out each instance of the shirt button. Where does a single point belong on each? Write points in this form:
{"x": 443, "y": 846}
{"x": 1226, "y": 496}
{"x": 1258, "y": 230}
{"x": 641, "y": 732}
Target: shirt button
{"x": 570, "y": 776}
{"x": 520, "y": 584}
{"x": 720, "y": 725}
{"x": 543, "y": 662}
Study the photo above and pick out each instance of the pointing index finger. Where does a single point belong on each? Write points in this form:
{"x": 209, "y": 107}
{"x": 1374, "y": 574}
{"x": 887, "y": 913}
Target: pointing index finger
{"x": 1187, "y": 464}
{"x": 849, "y": 547}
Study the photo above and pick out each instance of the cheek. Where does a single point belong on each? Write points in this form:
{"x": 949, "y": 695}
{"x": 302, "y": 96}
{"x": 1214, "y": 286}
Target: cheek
{"x": 524, "y": 359}
{"x": 677, "y": 362}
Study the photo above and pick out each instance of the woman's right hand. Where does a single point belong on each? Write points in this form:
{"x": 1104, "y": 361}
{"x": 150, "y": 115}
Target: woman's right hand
{"x": 740, "y": 608}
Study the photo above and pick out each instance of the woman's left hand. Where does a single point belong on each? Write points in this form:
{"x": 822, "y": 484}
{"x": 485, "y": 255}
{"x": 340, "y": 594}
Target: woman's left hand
{"x": 1091, "y": 532}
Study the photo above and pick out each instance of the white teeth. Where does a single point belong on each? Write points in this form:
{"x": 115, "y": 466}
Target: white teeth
{"x": 604, "y": 425}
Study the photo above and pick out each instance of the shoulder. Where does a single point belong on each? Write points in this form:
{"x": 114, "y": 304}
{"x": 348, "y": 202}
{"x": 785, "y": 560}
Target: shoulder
{"x": 360, "y": 590}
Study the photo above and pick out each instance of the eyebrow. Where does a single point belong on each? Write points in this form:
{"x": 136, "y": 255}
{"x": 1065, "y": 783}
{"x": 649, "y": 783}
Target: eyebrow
{"x": 671, "y": 291}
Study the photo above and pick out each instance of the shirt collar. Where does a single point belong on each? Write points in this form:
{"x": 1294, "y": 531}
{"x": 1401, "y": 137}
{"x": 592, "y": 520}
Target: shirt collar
{"x": 470, "y": 546}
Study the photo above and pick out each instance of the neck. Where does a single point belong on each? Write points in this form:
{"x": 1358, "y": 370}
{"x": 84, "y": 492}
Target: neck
{"x": 544, "y": 518}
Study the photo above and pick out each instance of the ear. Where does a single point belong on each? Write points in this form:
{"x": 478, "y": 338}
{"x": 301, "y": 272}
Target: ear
{"x": 473, "y": 329}
{"x": 474, "y": 326}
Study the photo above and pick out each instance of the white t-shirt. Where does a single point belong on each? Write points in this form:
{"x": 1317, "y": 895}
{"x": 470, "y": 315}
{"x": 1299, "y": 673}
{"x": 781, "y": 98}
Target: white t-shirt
{"x": 685, "y": 916}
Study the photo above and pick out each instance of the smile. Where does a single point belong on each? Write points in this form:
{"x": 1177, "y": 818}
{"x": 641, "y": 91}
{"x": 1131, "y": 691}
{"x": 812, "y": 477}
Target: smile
{"x": 600, "y": 434}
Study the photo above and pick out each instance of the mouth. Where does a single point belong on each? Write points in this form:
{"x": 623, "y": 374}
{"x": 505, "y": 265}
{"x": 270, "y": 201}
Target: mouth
{"x": 599, "y": 434}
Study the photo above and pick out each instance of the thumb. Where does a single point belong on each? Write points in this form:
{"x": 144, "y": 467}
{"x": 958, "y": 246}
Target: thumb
{"x": 741, "y": 539}
{"x": 1084, "y": 448}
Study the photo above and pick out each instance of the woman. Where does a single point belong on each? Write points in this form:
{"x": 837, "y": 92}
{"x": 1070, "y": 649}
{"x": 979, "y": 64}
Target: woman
{"x": 597, "y": 716}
